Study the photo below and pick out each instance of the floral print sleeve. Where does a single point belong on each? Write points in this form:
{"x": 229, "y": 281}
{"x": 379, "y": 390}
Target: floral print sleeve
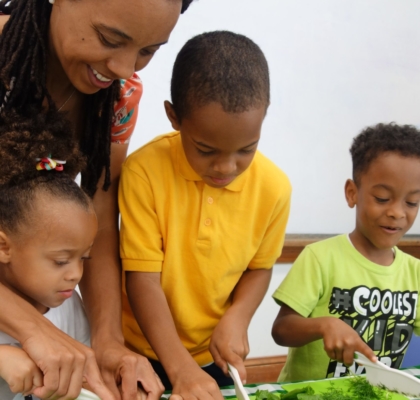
{"x": 125, "y": 110}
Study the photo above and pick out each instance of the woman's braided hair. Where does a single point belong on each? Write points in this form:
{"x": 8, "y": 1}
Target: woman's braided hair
{"x": 23, "y": 65}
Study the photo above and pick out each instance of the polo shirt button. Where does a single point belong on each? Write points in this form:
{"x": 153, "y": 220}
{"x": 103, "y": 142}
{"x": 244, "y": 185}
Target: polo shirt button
{"x": 210, "y": 200}
{"x": 207, "y": 222}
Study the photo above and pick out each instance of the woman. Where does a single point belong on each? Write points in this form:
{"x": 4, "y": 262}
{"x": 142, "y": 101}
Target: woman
{"x": 69, "y": 56}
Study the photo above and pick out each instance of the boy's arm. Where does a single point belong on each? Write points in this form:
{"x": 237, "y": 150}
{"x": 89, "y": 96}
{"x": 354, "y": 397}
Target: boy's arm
{"x": 18, "y": 370}
{"x": 153, "y": 315}
{"x": 229, "y": 341}
{"x": 340, "y": 340}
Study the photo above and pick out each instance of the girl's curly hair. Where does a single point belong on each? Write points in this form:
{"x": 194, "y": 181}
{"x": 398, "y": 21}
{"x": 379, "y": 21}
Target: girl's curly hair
{"x": 22, "y": 142}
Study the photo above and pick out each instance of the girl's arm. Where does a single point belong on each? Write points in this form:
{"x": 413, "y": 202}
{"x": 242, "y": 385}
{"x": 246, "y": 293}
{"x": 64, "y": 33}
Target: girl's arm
{"x": 101, "y": 292}
{"x": 229, "y": 341}
{"x": 154, "y": 317}
{"x": 18, "y": 370}
{"x": 340, "y": 340}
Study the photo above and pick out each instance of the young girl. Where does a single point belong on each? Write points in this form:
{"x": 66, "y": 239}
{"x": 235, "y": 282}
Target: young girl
{"x": 47, "y": 228}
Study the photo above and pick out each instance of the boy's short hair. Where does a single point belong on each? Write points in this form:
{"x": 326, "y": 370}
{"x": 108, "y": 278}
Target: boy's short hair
{"x": 222, "y": 67}
{"x": 381, "y": 138}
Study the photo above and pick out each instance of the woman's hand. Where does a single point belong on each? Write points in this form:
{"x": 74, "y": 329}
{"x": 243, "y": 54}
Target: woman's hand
{"x": 120, "y": 365}
{"x": 64, "y": 363}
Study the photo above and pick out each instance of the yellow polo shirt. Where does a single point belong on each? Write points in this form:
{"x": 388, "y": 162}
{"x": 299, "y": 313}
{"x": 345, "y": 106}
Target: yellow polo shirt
{"x": 201, "y": 239}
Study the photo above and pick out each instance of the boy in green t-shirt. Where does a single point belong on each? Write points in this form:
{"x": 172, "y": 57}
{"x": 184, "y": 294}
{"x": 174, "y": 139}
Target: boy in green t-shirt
{"x": 358, "y": 292}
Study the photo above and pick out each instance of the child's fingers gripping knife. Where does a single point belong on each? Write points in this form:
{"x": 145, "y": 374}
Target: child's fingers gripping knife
{"x": 341, "y": 341}
{"x": 229, "y": 344}
{"x": 230, "y": 357}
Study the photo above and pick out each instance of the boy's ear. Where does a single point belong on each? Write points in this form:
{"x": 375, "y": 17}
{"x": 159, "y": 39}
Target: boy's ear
{"x": 170, "y": 113}
{"x": 350, "y": 190}
{"x": 4, "y": 248}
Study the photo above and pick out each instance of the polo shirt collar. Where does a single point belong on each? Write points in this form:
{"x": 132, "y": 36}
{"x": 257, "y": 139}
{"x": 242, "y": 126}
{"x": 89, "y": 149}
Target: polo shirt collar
{"x": 183, "y": 165}
{"x": 188, "y": 172}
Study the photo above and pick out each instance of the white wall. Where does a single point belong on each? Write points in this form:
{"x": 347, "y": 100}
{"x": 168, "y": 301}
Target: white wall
{"x": 336, "y": 67}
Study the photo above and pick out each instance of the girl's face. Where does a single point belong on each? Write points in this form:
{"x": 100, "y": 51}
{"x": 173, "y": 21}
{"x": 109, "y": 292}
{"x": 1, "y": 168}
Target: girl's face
{"x": 98, "y": 41}
{"x": 45, "y": 262}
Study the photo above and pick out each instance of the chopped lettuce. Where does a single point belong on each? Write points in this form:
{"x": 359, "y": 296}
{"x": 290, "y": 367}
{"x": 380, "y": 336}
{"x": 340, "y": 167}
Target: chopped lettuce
{"x": 360, "y": 389}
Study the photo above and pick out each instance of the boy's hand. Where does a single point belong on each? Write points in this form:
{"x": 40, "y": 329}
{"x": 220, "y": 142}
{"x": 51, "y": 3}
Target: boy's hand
{"x": 18, "y": 370}
{"x": 341, "y": 341}
{"x": 229, "y": 344}
{"x": 152, "y": 312}
{"x": 191, "y": 382}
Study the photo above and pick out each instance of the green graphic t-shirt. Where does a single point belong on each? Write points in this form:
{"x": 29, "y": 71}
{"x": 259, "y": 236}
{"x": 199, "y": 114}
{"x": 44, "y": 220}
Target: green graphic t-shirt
{"x": 331, "y": 278}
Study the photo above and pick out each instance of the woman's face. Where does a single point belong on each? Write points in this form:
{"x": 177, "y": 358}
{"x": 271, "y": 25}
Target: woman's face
{"x": 97, "y": 41}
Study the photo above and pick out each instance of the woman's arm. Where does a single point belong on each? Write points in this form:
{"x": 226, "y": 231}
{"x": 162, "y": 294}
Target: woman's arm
{"x": 63, "y": 361}
{"x": 229, "y": 341}
{"x": 101, "y": 291}
{"x": 3, "y": 20}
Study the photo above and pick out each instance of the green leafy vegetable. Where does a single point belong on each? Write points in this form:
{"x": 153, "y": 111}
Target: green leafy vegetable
{"x": 266, "y": 395}
{"x": 363, "y": 390}
{"x": 334, "y": 393}
{"x": 293, "y": 395}
{"x": 359, "y": 389}
{"x": 303, "y": 396}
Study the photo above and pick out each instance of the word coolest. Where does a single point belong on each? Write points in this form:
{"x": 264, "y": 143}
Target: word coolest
{"x": 371, "y": 301}
{"x": 383, "y": 319}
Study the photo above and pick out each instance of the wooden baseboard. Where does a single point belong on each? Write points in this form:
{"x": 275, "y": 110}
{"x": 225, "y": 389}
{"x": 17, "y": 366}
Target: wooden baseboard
{"x": 295, "y": 243}
{"x": 264, "y": 369}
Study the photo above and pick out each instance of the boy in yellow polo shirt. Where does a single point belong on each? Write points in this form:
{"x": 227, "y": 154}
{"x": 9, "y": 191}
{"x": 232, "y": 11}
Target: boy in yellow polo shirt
{"x": 203, "y": 219}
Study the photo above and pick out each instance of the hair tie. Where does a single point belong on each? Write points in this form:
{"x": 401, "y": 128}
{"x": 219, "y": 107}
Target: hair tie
{"x": 49, "y": 164}
{"x": 7, "y": 95}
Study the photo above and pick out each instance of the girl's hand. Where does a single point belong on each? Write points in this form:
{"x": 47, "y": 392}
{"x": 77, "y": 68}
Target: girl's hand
{"x": 229, "y": 344}
{"x": 18, "y": 370}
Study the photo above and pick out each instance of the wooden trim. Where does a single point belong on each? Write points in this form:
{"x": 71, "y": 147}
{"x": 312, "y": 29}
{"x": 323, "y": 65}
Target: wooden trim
{"x": 295, "y": 243}
{"x": 264, "y": 369}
